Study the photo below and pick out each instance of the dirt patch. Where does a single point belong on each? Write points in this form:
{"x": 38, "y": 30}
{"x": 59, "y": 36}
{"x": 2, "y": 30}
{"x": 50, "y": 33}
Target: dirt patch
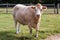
{"x": 53, "y": 37}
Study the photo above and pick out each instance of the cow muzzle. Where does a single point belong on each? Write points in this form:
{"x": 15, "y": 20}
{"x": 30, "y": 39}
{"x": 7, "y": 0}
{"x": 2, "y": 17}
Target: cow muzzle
{"x": 37, "y": 15}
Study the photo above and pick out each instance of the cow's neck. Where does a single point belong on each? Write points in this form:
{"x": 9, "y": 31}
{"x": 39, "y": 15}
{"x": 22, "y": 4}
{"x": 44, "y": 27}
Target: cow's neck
{"x": 36, "y": 19}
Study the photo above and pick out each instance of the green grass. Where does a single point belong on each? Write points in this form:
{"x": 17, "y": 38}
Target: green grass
{"x": 50, "y": 25}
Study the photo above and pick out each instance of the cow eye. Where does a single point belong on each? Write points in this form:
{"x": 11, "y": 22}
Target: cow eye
{"x": 40, "y": 9}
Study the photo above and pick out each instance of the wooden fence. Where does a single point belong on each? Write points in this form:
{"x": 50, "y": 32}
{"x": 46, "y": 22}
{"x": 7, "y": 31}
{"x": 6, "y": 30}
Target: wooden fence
{"x": 7, "y": 8}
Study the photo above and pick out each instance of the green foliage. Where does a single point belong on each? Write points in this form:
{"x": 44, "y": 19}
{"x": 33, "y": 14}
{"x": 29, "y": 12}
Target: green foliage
{"x": 17, "y": 1}
{"x": 47, "y": 1}
{"x": 28, "y": 1}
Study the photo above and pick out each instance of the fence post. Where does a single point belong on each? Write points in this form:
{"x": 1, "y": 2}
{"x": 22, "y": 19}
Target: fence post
{"x": 7, "y": 8}
{"x": 58, "y": 8}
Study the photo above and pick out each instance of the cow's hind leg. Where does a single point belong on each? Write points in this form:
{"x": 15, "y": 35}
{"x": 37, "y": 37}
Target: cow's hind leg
{"x": 30, "y": 29}
{"x": 17, "y": 26}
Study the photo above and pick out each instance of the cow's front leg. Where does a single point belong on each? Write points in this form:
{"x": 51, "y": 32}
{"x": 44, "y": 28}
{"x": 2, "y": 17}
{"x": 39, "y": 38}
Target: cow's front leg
{"x": 37, "y": 29}
{"x": 36, "y": 33}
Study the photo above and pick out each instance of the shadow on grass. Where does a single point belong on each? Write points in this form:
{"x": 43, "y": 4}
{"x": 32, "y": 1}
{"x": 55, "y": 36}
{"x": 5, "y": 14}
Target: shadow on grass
{"x": 12, "y": 36}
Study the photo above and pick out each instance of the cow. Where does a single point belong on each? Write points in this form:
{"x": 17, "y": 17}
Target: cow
{"x": 28, "y": 15}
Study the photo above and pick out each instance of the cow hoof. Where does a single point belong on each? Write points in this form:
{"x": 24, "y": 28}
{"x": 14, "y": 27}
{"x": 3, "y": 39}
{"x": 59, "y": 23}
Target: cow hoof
{"x": 17, "y": 32}
{"x": 36, "y": 36}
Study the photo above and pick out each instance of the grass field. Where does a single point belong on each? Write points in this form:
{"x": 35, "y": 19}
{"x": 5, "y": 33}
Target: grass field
{"x": 50, "y": 25}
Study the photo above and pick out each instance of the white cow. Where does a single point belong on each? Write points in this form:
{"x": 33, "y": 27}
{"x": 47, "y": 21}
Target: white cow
{"x": 28, "y": 15}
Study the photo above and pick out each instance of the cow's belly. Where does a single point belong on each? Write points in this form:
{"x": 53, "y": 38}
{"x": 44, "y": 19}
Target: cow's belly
{"x": 23, "y": 20}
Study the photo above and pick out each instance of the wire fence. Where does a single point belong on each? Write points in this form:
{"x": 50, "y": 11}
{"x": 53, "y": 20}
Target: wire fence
{"x": 7, "y": 8}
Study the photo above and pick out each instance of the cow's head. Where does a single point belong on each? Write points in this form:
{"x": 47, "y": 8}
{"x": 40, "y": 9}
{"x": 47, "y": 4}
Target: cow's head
{"x": 38, "y": 9}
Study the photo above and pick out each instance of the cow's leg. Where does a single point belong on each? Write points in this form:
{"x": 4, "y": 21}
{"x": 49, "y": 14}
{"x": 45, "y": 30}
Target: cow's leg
{"x": 36, "y": 33}
{"x": 37, "y": 29}
{"x": 30, "y": 29}
{"x": 17, "y": 25}
{"x": 17, "y": 28}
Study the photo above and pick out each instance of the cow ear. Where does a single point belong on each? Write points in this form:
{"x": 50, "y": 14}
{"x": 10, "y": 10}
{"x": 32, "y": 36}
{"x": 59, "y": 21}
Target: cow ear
{"x": 44, "y": 7}
{"x": 33, "y": 7}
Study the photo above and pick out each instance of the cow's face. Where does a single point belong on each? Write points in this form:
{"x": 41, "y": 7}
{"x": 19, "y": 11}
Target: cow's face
{"x": 38, "y": 9}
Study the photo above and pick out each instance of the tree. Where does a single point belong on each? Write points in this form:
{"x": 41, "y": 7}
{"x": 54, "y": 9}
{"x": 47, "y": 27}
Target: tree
{"x": 29, "y": 1}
